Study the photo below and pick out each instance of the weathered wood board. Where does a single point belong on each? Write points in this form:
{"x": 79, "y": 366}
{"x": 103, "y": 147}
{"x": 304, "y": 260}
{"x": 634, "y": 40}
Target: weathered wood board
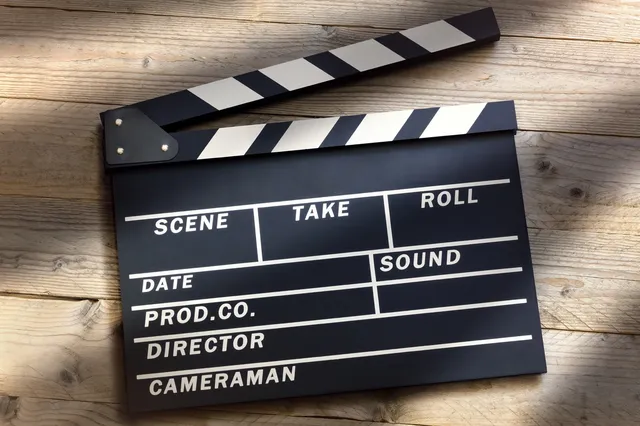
{"x": 607, "y": 20}
{"x": 559, "y": 85}
{"x": 571, "y": 67}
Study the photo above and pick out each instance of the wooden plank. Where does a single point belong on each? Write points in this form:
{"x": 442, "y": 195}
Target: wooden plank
{"x": 70, "y": 350}
{"x": 96, "y": 53}
{"x": 18, "y": 411}
{"x": 560, "y": 85}
{"x": 51, "y": 149}
{"x": 570, "y": 301}
{"x": 586, "y": 281}
{"x": 60, "y": 349}
{"x": 571, "y": 182}
{"x": 610, "y": 20}
{"x": 54, "y": 149}
{"x": 58, "y": 248}
{"x": 586, "y": 253}
{"x": 72, "y": 237}
{"x": 580, "y": 183}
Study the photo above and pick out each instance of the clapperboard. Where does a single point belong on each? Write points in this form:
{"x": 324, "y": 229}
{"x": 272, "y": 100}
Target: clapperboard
{"x": 322, "y": 255}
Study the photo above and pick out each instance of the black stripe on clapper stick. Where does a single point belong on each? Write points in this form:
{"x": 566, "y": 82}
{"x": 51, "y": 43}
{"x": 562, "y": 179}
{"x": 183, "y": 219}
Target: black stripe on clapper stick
{"x": 415, "y": 125}
{"x": 268, "y": 138}
{"x": 479, "y": 25}
{"x": 342, "y": 131}
{"x": 192, "y": 143}
{"x": 494, "y": 116}
{"x": 174, "y": 108}
{"x": 261, "y": 84}
{"x": 403, "y": 46}
{"x": 331, "y": 64}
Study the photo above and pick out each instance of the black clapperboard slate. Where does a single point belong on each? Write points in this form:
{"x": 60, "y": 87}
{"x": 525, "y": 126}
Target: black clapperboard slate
{"x": 324, "y": 255}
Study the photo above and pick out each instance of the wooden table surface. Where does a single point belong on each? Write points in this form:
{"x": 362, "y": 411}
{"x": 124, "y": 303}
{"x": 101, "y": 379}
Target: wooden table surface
{"x": 571, "y": 65}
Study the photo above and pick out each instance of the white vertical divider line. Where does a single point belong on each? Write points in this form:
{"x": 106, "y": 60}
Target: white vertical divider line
{"x": 256, "y": 222}
{"x": 387, "y": 215}
{"x": 374, "y": 285}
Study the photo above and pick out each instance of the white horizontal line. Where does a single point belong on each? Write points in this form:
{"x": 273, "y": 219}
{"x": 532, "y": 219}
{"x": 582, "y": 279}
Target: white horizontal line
{"x": 331, "y": 320}
{"x": 320, "y": 257}
{"x": 251, "y": 296}
{"x": 336, "y": 357}
{"x": 315, "y": 200}
{"x": 447, "y": 244}
{"x": 322, "y": 289}
{"x": 450, "y": 276}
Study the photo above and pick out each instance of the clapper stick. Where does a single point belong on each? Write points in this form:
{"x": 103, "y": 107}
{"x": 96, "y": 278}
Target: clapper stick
{"x": 322, "y": 255}
{"x": 133, "y": 134}
{"x": 333, "y": 132}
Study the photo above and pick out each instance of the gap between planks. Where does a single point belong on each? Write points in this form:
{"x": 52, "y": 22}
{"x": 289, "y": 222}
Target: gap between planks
{"x": 210, "y": 18}
{"x": 266, "y": 21}
{"x": 543, "y": 16}
{"x": 10, "y": 408}
{"x": 32, "y": 296}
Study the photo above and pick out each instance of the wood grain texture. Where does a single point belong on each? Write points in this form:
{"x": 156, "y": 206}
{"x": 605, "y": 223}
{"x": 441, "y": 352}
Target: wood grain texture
{"x": 581, "y": 192}
{"x": 560, "y": 85}
{"x": 610, "y": 20}
{"x": 57, "y": 248}
{"x": 51, "y": 149}
{"x": 571, "y": 182}
{"x": 586, "y": 281}
{"x": 570, "y": 301}
{"x": 66, "y": 248}
{"x": 581, "y": 198}
{"x": 70, "y": 350}
{"x": 54, "y": 149}
{"x": 60, "y": 349}
{"x": 43, "y": 412}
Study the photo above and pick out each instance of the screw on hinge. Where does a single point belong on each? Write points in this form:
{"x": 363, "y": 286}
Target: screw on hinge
{"x": 120, "y": 151}
{"x": 118, "y": 122}
{"x": 165, "y": 147}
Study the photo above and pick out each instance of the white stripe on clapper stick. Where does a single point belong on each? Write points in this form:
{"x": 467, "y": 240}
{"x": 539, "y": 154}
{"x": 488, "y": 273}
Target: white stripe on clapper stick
{"x": 379, "y": 127}
{"x": 305, "y": 134}
{"x": 437, "y": 36}
{"x": 367, "y": 55}
{"x": 225, "y": 93}
{"x": 453, "y": 120}
{"x": 231, "y": 141}
{"x": 296, "y": 74}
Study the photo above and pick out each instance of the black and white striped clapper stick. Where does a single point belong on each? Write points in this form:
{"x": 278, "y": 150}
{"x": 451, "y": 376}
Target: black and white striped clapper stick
{"x": 416, "y": 44}
{"x": 361, "y": 129}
